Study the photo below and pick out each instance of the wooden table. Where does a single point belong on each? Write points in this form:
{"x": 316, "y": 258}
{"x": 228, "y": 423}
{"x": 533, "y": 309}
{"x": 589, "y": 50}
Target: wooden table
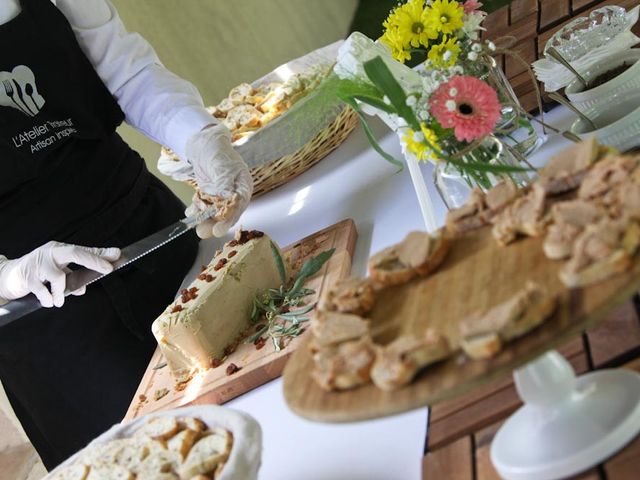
{"x": 460, "y": 430}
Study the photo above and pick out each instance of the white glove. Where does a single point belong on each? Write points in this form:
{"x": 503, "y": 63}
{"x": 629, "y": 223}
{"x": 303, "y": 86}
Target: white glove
{"x": 220, "y": 173}
{"x": 48, "y": 263}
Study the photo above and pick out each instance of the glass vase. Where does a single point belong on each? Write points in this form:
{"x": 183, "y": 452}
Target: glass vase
{"x": 513, "y": 128}
{"x": 454, "y": 185}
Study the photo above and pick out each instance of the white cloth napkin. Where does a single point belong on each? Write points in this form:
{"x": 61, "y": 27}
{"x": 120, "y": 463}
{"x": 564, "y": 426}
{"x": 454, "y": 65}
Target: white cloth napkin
{"x": 555, "y": 76}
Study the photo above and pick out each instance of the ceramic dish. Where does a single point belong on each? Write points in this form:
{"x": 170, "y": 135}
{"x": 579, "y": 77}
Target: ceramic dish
{"x": 619, "y": 125}
{"x": 626, "y": 85}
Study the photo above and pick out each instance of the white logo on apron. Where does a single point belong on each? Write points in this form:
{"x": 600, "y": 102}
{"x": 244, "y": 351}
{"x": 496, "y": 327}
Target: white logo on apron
{"x": 18, "y": 90}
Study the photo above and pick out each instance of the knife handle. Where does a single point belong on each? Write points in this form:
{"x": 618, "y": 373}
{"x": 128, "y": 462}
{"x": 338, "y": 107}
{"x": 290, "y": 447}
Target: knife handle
{"x": 198, "y": 218}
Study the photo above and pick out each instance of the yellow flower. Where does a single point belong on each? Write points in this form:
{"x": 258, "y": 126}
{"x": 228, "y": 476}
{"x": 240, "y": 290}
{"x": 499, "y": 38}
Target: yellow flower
{"x": 392, "y": 39}
{"x": 411, "y": 21}
{"x": 446, "y": 53}
{"x": 419, "y": 147}
{"x": 445, "y": 16}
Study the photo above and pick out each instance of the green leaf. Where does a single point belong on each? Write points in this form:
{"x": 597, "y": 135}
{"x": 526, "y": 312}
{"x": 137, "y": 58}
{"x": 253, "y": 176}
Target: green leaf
{"x": 296, "y": 313}
{"x": 310, "y": 268}
{"x": 488, "y": 167}
{"x": 369, "y": 133}
{"x": 381, "y": 76}
{"x": 375, "y": 102}
{"x": 279, "y": 263}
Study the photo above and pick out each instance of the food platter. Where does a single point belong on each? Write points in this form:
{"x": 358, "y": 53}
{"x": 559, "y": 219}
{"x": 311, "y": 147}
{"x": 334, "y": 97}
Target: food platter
{"x": 477, "y": 274}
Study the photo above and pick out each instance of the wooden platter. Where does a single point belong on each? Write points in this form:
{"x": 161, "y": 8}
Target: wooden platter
{"x": 256, "y": 366}
{"x": 477, "y": 274}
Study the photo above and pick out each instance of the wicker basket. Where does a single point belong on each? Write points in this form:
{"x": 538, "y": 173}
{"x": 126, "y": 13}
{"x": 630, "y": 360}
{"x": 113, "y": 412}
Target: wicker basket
{"x": 280, "y": 171}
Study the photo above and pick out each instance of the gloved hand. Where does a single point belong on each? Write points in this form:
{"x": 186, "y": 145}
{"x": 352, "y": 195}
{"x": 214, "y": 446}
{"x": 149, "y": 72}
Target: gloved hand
{"x": 48, "y": 263}
{"x": 222, "y": 176}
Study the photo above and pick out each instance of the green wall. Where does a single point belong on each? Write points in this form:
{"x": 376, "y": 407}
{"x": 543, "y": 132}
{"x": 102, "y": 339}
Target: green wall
{"x": 217, "y": 44}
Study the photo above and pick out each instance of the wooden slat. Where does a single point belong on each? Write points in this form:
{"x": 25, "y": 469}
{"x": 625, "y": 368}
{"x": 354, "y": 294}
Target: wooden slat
{"x": 484, "y": 412}
{"x": 483, "y": 438}
{"x": 522, "y": 8}
{"x": 526, "y": 50}
{"x": 577, "y": 5}
{"x": 496, "y": 23}
{"x": 618, "y": 334}
{"x": 625, "y": 465}
{"x": 523, "y": 28}
{"x": 453, "y": 462}
{"x": 444, "y": 409}
{"x": 553, "y": 11}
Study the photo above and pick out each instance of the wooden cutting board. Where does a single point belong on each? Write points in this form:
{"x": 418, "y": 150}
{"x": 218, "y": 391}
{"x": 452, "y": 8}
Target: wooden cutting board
{"x": 476, "y": 275}
{"x": 257, "y": 366}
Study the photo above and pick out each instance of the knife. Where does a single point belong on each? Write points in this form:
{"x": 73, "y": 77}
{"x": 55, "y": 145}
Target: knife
{"x": 82, "y": 277}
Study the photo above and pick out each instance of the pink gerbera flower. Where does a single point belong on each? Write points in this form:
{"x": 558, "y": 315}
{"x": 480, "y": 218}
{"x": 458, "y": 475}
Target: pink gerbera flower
{"x": 471, "y": 6}
{"x": 468, "y": 105}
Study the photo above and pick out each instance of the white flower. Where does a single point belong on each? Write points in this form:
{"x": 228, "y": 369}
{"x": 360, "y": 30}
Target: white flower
{"x": 411, "y": 101}
{"x": 453, "y": 92}
{"x": 473, "y": 56}
{"x": 446, "y": 56}
{"x": 476, "y": 47}
{"x": 472, "y": 24}
{"x": 402, "y": 123}
{"x": 491, "y": 45}
{"x": 451, "y": 105}
{"x": 424, "y": 115}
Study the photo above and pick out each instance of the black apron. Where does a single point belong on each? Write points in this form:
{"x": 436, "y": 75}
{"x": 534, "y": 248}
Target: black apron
{"x": 66, "y": 175}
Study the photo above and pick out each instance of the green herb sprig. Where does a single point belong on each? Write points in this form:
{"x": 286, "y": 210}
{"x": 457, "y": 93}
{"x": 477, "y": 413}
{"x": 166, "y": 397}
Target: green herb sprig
{"x": 283, "y": 308}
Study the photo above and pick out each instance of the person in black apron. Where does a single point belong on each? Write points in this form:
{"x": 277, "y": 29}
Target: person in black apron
{"x": 71, "y": 373}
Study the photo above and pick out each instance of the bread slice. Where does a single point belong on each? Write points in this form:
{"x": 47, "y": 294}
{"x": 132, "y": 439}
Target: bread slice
{"x": 159, "y": 428}
{"x": 566, "y": 170}
{"x": 480, "y": 346}
{"x": 620, "y": 261}
{"x": 345, "y": 366}
{"x": 158, "y": 462}
{"x": 158, "y": 476}
{"x": 386, "y": 269}
{"x": 482, "y": 335}
{"x": 332, "y": 328}
{"x": 207, "y": 453}
{"x": 192, "y": 423}
{"x": 469, "y": 216}
{"x": 418, "y": 254}
{"x": 182, "y": 442}
{"x": 110, "y": 472}
{"x": 397, "y": 363}
{"x": 438, "y": 250}
{"x": 73, "y": 472}
{"x": 349, "y": 295}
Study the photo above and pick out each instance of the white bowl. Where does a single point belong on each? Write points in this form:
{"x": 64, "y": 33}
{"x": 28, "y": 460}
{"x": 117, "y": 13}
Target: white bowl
{"x": 626, "y": 85}
{"x": 618, "y": 125}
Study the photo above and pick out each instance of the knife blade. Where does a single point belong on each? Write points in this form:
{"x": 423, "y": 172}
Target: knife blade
{"x": 11, "y": 311}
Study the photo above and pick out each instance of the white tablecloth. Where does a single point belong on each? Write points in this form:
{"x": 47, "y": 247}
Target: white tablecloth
{"x": 352, "y": 182}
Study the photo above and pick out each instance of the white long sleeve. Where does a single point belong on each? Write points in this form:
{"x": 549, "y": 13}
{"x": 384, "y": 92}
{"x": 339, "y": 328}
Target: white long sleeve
{"x": 163, "y": 106}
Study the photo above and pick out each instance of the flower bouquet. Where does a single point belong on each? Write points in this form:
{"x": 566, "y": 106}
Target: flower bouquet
{"x": 456, "y": 109}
